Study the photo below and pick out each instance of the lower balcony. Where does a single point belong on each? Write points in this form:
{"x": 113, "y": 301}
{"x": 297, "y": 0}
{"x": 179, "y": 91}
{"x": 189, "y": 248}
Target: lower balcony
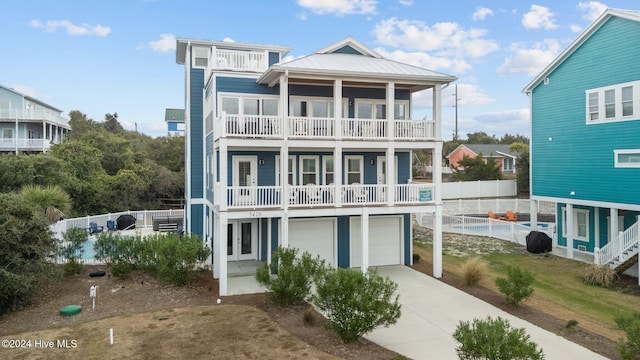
{"x": 311, "y": 195}
{"x": 25, "y": 145}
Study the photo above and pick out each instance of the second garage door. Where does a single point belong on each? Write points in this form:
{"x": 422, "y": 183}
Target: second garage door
{"x": 316, "y": 236}
{"x": 385, "y": 241}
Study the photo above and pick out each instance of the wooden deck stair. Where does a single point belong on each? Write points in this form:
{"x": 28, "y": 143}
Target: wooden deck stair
{"x": 621, "y": 253}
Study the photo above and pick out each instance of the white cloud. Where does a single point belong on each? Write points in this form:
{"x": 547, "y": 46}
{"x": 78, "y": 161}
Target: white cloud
{"x": 481, "y": 13}
{"x": 302, "y": 15}
{"x": 539, "y": 17}
{"x": 72, "y": 29}
{"x": 575, "y": 28}
{"x": 228, "y": 39}
{"x": 424, "y": 60}
{"x": 166, "y": 43}
{"x": 406, "y": 2}
{"x": 468, "y": 94}
{"x": 502, "y": 122}
{"x": 339, "y": 7}
{"x": 447, "y": 38}
{"x": 530, "y": 61}
{"x": 591, "y": 9}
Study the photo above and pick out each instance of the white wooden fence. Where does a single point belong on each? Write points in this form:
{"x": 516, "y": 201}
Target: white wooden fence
{"x": 479, "y": 189}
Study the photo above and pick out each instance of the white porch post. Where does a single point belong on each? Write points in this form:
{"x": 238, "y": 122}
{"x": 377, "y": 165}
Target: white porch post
{"x": 364, "y": 230}
{"x": 391, "y": 175}
{"x": 437, "y": 101}
{"x": 284, "y": 176}
{"x": 284, "y": 239}
{"x": 221, "y": 256}
{"x": 215, "y": 245}
{"x": 596, "y": 227}
{"x": 284, "y": 103}
{"x": 437, "y": 242}
{"x": 337, "y": 174}
{"x": 337, "y": 109}
{"x": 390, "y": 115}
{"x": 224, "y": 176}
{"x": 533, "y": 213}
{"x": 614, "y": 233}
{"x": 269, "y": 239}
{"x": 569, "y": 226}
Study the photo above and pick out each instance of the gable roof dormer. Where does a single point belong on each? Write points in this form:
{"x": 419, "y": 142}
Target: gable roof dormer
{"x": 349, "y": 45}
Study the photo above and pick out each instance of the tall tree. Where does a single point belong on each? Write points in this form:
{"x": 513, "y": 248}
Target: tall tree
{"x": 26, "y": 245}
{"x": 481, "y": 137}
{"x": 522, "y": 166}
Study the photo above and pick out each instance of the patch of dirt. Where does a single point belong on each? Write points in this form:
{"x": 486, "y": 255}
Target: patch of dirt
{"x": 142, "y": 293}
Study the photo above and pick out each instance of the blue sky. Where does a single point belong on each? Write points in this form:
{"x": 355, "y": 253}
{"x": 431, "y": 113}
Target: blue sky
{"x": 106, "y": 56}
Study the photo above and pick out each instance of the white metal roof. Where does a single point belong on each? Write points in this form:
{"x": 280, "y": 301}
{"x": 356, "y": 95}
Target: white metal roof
{"x": 352, "y": 65}
{"x": 586, "y": 34}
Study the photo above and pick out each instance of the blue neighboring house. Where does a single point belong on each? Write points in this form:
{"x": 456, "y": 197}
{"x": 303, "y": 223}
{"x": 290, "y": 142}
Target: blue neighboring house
{"x": 175, "y": 122}
{"x": 585, "y": 148}
{"x": 296, "y": 153}
{"x": 28, "y": 125}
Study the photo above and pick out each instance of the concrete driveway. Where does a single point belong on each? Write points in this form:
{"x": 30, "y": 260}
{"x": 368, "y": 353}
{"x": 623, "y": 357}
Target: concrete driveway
{"x": 431, "y": 311}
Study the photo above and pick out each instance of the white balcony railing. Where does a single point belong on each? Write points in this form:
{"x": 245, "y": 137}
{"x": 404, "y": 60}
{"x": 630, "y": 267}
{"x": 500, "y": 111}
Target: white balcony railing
{"x": 235, "y": 60}
{"x": 621, "y": 248}
{"x": 310, "y": 195}
{"x": 46, "y": 115}
{"x": 314, "y": 128}
{"x": 21, "y": 144}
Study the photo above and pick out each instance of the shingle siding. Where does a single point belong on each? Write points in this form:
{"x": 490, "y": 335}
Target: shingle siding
{"x": 567, "y": 154}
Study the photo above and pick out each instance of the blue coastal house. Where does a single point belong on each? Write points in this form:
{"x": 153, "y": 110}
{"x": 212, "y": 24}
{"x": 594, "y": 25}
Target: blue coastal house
{"x": 585, "y": 148}
{"x": 28, "y": 125}
{"x": 313, "y": 153}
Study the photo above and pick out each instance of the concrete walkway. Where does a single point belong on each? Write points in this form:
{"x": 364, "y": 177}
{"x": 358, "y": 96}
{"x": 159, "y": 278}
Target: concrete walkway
{"x": 431, "y": 311}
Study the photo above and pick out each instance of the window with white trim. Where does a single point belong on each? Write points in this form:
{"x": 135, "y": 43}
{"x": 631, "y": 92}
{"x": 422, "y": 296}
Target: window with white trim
{"x": 249, "y": 105}
{"x": 308, "y": 170}
{"x": 200, "y": 57}
{"x": 7, "y": 133}
{"x": 315, "y": 107}
{"x": 292, "y": 170}
{"x": 377, "y": 109}
{"x": 580, "y": 224}
{"x": 613, "y": 103}
{"x": 353, "y": 168}
{"x": 627, "y": 158}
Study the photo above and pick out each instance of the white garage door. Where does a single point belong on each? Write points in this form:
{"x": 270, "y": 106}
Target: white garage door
{"x": 316, "y": 236}
{"x": 385, "y": 241}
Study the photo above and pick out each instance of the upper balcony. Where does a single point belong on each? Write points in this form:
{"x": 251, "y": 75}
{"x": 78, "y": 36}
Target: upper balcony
{"x": 237, "y": 60}
{"x": 51, "y": 117}
{"x": 272, "y": 127}
{"x": 26, "y": 145}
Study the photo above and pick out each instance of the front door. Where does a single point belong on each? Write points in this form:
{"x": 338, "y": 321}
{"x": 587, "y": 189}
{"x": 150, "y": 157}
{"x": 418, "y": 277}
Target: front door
{"x": 242, "y": 240}
{"x": 382, "y": 174}
{"x": 245, "y": 175}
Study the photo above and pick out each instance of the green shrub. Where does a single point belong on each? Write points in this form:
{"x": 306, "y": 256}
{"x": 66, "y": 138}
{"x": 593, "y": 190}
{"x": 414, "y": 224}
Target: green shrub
{"x": 517, "y": 286}
{"x": 356, "y": 303}
{"x": 494, "y": 339}
{"x": 289, "y": 277}
{"x": 473, "y": 270}
{"x": 70, "y": 246}
{"x": 629, "y": 349}
{"x": 72, "y": 267}
{"x": 121, "y": 270}
{"x": 600, "y": 275}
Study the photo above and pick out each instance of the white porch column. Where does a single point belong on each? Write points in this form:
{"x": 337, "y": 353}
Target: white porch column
{"x": 284, "y": 103}
{"x": 437, "y": 111}
{"x": 390, "y": 115}
{"x": 437, "y": 242}
{"x": 269, "y": 239}
{"x": 337, "y": 174}
{"x": 596, "y": 227}
{"x": 569, "y": 231}
{"x": 614, "y": 229}
{"x": 337, "y": 108}
{"x": 364, "y": 230}
{"x": 224, "y": 176}
{"x": 284, "y": 176}
{"x": 391, "y": 178}
{"x": 221, "y": 253}
{"x": 215, "y": 182}
{"x": 284, "y": 232}
{"x": 533, "y": 214}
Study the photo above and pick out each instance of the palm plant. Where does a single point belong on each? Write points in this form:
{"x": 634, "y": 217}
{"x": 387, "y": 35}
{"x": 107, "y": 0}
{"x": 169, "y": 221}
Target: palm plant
{"x": 53, "y": 200}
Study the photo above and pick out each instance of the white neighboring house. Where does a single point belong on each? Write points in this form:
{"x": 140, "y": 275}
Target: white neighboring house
{"x": 28, "y": 125}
